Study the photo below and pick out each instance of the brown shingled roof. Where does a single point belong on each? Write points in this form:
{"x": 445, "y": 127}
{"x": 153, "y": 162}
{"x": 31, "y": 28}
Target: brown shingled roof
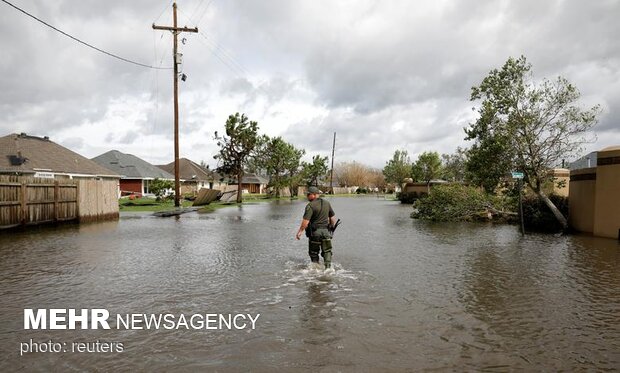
{"x": 189, "y": 170}
{"x": 29, "y": 154}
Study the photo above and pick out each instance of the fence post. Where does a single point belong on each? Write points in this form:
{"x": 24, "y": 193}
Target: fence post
{"x": 56, "y": 198}
{"x": 24, "y": 205}
{"x": 77, "y": 200}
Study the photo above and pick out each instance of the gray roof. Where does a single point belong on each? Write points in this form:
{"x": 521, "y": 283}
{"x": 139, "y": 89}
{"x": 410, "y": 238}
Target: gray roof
{"x": 586, "y": 161}
{"x": 248, "y": 178}
{"x": 251, "y": 178}
{"x": 29, "y": 154}
{"x": 130, "y": 166}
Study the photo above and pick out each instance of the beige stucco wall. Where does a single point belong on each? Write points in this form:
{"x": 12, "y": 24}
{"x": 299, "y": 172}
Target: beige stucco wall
{"x": 607, "y": 200}
{"x": 418, "y": 188}
{"x": 581, "y": 199}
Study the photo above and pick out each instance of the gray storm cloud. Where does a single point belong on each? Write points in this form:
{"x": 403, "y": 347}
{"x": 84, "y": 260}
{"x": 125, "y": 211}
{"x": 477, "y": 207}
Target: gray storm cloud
{"x": 384, "y": 75}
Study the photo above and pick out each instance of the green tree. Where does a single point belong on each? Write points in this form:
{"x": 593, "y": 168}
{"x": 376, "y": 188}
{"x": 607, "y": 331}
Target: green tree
{"x": 281, "y": 160}
{"x": 427, "y": 167}
{"x": 534, "y": 125}
{"x": 236, "y": 146}
{"x": 488, "y": 161}
{"x": 294, "y": 169}
{"x": 255, "y": 162}
{"x": 315, "y": 171}
{"x": 159, "y": 187}
{"x": 398, "y": 168}
{"x": 454, "y": 165}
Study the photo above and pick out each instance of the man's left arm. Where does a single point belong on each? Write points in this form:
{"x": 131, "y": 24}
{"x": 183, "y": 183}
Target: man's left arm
{"x": 332, "y": 216}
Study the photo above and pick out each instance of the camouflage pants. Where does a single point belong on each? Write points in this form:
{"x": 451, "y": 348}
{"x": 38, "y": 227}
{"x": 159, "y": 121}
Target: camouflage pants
{"x": 321, "y": 242}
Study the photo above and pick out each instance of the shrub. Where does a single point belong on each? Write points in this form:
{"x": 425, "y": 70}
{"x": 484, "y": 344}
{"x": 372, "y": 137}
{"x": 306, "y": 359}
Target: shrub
{"x": 159, "y": 187}
{"x": 455, "y": 202}
{"x": 407, "y": 197}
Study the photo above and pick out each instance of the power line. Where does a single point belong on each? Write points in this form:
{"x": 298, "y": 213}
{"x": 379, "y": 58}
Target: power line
{"x": 204, "y": 12}
{"x": 83, "y": 42}
{"x": 220, "y": 52}
{"x": 162, "y": 12}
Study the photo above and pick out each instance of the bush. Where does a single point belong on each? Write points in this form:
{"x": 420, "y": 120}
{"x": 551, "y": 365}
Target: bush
{"x": 159, "y": 187}
{"x": 458, "y": 202}
{"x": 538, "y": 217}
{"x": 407, "y": 197}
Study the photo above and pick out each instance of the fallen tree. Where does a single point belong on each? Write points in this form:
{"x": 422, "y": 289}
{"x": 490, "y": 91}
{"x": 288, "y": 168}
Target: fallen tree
{"x": 458, "y": 202}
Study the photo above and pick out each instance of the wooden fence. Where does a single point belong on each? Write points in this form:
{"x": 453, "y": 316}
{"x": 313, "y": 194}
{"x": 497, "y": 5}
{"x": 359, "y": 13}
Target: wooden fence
{"x": 97, "y": 200}
{"x": 30, "y": 201}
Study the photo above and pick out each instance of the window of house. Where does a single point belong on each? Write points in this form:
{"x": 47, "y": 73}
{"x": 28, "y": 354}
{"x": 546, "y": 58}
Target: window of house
{"x": 146, "y": 186}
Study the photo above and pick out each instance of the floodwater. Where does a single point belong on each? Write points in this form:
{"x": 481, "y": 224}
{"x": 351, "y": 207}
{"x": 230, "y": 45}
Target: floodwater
{"x": 406, "y": 295}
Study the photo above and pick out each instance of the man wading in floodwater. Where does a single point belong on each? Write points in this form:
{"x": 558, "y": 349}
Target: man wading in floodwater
{"x": 316, "y": 221}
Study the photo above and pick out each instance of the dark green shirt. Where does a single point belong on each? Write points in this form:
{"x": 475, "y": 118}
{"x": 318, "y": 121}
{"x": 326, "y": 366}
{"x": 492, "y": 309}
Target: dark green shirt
{"x": 318, "y": 212}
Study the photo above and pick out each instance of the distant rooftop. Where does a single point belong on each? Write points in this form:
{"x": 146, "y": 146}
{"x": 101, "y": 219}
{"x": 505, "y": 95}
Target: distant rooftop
{"x": 130, "y": 167}
{"x": 190, "y": 170}
{"x": 587, "y": 161}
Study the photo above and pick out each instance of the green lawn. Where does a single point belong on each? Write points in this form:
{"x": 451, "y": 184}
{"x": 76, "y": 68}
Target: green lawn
{"x": 149, "y": 204}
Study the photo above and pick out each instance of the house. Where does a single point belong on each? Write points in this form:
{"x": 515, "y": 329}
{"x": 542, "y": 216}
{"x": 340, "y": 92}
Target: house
{"x": 43, "y": 182}
{"x": 251, "y": 183}
{"x": 587, "y": 161}
{"x": 39, "y": 157}
{"x": 594, "y": 196}
{"x": 136, "y": 173}
{"x": 193, "y": 177}
{"x": 416, "y": 190}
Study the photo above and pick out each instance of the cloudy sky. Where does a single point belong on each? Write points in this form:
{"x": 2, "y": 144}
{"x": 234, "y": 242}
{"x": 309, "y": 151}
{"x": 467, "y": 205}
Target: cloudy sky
{"x": 382, "y": 74}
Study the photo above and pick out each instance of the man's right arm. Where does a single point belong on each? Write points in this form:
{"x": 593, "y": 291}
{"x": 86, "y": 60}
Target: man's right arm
{"x": 302, "y": 228}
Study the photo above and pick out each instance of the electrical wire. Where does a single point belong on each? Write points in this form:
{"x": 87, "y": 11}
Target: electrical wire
{"x": 220, "y": 52}
{"x": 218, "y": 48}
{"x": 162, "y": 11}
{"x": 204, "y": 12}
{"x": 85, "y": 43}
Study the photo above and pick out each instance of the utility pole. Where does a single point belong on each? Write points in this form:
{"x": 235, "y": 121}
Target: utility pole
{"x": 331, "y": 181}
{"x": 175, "y": 62}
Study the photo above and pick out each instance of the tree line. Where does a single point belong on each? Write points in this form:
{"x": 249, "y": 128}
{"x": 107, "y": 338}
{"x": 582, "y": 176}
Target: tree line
{"x": 243, "y": 150}
{"x": 523, "y": 125}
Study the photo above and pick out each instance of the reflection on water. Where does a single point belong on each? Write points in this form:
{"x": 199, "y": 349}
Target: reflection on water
{"x": 405, "y": 295}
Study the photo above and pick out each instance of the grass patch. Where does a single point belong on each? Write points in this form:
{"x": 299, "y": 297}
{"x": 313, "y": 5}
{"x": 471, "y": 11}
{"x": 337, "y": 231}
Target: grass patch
{"x": 151, "y": 205}
{"x": 148, "y": 204}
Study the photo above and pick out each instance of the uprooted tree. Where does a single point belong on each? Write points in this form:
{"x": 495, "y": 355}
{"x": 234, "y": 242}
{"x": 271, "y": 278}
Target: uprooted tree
{"x": 527, "y": 126}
